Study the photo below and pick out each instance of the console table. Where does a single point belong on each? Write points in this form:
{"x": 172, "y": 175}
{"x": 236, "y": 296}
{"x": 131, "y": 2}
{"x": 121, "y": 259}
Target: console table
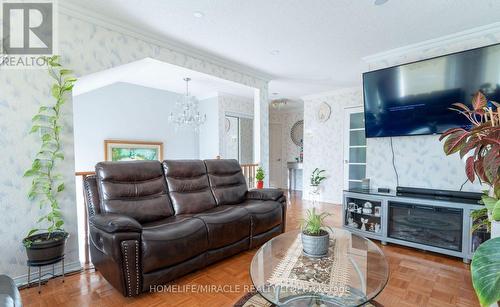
{"x": 437, "y": 224}
{"x": 292, "y": 174}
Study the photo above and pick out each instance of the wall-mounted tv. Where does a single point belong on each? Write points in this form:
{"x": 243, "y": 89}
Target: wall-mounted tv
{"x": 413, "y": 99}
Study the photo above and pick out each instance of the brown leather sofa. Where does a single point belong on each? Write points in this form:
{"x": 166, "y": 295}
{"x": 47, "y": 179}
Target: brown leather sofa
{"x": 152, "y": 222}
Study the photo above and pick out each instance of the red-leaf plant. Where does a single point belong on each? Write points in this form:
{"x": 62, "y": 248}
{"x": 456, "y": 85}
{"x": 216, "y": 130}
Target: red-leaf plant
{"x": 483, "y": 141}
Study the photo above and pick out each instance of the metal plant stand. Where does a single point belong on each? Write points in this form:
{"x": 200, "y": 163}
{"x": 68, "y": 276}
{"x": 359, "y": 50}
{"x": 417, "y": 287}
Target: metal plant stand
{"x": 39, "y": 265}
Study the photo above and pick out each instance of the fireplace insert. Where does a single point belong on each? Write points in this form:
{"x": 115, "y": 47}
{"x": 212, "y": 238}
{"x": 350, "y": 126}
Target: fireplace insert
{"x": 426, "y": 224}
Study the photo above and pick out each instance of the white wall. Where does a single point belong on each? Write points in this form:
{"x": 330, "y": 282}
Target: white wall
{"x": 124, "y": 111}
{"x": 289, "y": 151}
{"x": 209, "y": 132}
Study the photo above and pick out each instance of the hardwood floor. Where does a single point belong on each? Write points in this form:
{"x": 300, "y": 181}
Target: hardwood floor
{"x": 417, "y": 279}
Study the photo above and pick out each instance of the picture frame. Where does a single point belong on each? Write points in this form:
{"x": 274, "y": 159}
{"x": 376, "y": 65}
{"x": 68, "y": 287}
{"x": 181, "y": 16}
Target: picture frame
{"x": 126, "y": 150}
{"x": 377, "y": 211}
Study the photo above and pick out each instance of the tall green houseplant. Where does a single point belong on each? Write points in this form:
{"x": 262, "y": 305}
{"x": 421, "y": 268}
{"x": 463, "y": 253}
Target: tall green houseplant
{"x": 47, "y": 183}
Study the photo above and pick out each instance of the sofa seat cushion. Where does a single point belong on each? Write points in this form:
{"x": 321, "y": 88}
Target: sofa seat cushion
{"x": 171, "y": 241}
{"x": 265, "y": 214}
{"x": 225, "y": 225}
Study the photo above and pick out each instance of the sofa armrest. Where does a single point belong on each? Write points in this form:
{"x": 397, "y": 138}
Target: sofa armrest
{"x": 113, "y": 223}
{"x": 265, "y": 194}
{"x": 115, "y": 249}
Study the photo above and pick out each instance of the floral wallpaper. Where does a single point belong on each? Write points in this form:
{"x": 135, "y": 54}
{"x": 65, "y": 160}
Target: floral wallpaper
{"x": 85, "y": 48}
{"x": 323, "y": 142}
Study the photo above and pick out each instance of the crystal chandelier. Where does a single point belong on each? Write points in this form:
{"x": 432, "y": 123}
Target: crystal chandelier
{"x": 279, "y": 103}
{"x": 188, "y": 114}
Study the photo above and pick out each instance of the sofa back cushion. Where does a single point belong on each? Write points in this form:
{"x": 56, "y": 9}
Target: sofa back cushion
{"x": 227, "y": 181}
{"x": 136, "y": 189}
{"x": 188, "y": 186}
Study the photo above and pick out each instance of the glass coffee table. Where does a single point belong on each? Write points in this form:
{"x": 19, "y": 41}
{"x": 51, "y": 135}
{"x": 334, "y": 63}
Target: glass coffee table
{"x": 354, "y": 272}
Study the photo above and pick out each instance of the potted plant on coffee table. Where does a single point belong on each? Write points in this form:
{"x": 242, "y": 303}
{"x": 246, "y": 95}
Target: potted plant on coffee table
{"x": 259, "y": 176}
{"x": 315, "y": 237}
{"x": 47, "y": 242}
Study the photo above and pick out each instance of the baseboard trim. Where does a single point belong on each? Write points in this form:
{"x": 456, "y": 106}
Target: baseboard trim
{"x": 68, "y": 268}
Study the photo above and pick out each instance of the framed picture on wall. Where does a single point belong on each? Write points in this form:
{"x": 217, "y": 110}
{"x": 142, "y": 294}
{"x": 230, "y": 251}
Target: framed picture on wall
{"x": 120, "y": 150}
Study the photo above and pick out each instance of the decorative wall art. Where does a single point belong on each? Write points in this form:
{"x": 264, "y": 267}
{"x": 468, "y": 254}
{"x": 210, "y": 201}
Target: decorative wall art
{"x": 119, "y": 150}
{"x": 324, "y": 112}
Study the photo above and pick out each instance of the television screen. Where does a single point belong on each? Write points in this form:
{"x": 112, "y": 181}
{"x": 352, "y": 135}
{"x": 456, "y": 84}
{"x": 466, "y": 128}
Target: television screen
{"x": 413, "y": 99}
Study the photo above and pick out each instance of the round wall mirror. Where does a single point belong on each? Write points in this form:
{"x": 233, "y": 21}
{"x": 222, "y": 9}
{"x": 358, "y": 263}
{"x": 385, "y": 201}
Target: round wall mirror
{"x": 297, "y": 133}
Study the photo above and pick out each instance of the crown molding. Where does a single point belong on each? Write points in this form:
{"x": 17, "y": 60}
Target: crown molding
{"x": 442, "y": 41}
{"x": 77, "y": 11}
{"x": 324, "y": 95}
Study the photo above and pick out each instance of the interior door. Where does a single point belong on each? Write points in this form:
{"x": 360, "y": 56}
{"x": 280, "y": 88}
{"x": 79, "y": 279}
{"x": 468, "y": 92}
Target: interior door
{"x": 354, "y": 147}
{"x": 276, "y": 163}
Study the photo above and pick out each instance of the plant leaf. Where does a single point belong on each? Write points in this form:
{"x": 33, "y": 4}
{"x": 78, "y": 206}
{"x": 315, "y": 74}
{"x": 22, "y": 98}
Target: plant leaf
{"x": 59, "y": 155}
{"x": 479, "y": 101}
{"x": 468, "y": 146}
{"x": 455, "y": 142}
{"x": 485, "y": 271}
{"x": 461, "y": 106}
{"x": 469, "y": 169}
{"x": 46, "y": 137}
{"x": 60, "y": 188}
{"x": 32, "y": 231}
{"x": 29, "y": 173}
{"x": 450, "y": 131}
{"x": 55, "y": 91}
{"x": 34, "y": 129}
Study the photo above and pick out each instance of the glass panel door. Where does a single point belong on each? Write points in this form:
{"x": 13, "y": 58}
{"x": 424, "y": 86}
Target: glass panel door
{"x": 238, "y": 139}
{"x": 355, "y": 148}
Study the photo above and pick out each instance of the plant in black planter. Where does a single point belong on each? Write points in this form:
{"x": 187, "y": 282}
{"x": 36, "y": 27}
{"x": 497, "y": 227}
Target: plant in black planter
{"x": 315, "y": 237}
{"x": 47, "y": 244}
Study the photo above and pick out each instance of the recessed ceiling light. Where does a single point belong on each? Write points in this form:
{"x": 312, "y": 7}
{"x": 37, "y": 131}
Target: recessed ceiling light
{"x": 380, "y": 2}
{"x": 198, "y": 14}
{"x": 274, "y": 52}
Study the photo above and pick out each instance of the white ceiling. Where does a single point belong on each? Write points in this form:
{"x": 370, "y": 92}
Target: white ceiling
{"x": 320, "y": 42}
{"x": 156, "y": 74}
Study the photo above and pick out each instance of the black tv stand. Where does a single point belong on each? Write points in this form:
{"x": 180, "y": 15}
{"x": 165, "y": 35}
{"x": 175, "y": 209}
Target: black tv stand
{"x": 431, "y": 220}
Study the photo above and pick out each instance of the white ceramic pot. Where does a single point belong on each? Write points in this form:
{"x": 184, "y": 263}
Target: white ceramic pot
{"x": 495, "y": 229}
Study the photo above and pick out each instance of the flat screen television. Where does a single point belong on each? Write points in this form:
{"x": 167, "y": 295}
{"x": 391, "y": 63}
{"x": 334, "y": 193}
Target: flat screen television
{"x": 413, "y": 99}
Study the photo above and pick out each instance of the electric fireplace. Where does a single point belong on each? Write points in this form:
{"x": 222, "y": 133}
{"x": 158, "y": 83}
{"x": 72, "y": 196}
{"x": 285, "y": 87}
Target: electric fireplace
{"x": 430, "y": 225}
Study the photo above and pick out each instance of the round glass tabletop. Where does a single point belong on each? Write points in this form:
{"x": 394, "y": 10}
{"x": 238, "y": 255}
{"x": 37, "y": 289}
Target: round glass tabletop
{"x": 354, "y": 271}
